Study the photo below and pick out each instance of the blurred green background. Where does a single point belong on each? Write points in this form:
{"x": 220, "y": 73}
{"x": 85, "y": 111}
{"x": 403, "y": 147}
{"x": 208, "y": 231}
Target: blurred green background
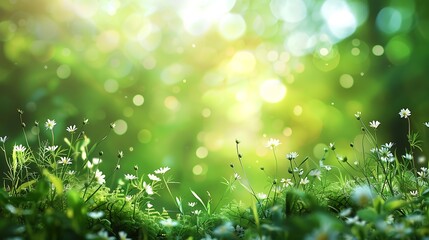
{"x": 182, "y": 79}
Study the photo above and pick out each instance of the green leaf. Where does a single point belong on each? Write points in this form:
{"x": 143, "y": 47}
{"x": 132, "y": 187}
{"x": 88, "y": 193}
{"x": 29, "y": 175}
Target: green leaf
{"x": 26, "y": 185}
{"x": 179, "y": 204}
{"x": 394, "y": 204}
{"x": 368, "y": 214}
{"x": 58, "y": 184}
{"x": 199, "y": 199}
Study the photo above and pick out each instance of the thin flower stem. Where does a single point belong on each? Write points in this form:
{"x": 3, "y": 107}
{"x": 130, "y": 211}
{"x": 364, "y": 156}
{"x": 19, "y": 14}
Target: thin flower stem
{"x": 245, "y": 175}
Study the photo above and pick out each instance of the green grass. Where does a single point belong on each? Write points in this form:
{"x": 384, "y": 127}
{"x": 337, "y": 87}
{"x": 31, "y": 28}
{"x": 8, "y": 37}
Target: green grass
{"x": 59, "y": 192}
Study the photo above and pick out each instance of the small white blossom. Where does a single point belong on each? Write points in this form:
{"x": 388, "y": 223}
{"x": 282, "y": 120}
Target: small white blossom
{"x": 292, "y": 155}
{"x": 192, "y": 204}
{"x": 328, "y": 168}
{"x": 388, "y": 145}
{"x": 71, "y": 129}
{"x": 103, "y": 234}
{"x": 374, "y": 124}
{"x": 148, "y": 188}
{"x": 162, "y": 170}
{"x": 3, "y": 139}
{"x": 89, "y": 165}
{"x": 196, "y": 212}
{"x": 19, "y": 148}
{"x": 357, "y": 115}
{"x": 51, "y": 148}
{"x": 316, "y": 173}
{"x": 129, "y": 177}
{"x": 169, "y": 222}
{"x": 153, "y": 177}
{"x": 332, "y": 146}
{"x": 128, "y": 198}
{"x": 286, "y": 182}
{"x": 71, "y": 172}
{"x": 405, "y": 113}
{"x": 408, "y": 156}
{"x": 50, "y": 124}
{"x": 355, "y": 220}
{"x": 426, "y": 124}
{"x": 362, "y": 195}
{"x": 237, "y": 176}
{"x": 261, "y": 195}
{"x": 99, "y": 177}
{"x": 96, "y": 215}
{"x": 304, "y": 181}
{"x": 149, "y": 205}
{"x": 65, "y": 161}
{"x": 96, "y": 161}
{"x": 414, "y": 193}
{"x": 272, "y": 143}
{"x": 123, "y": 236}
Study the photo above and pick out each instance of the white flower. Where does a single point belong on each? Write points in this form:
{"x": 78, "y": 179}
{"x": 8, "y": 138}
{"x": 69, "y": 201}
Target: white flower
{"x": 261, "y": 195}
{"x": 96, "y": 215}
{"x": 414, "y": 193}
{"x": 286, "y": 182}
{"x": 192, "y": 204}
{"x": 96, "y": 161}
{"x": 426, "y": 124}
{"x": 316, "y": 173}
{"x": 51, "y": 148}
{"x": 153, "y": 177}
{"x": 196, "y": 212}
{"x": 130, "y": 177}
{"x": 149, "y": 205}
{"x": 388, "y": 145}
{"x": 355, "y": 220}
{"x": 328, "y": 168}
{"x": 103, "y": 234}
{"x": 237, "y": 176}
{"x": 71, "y": 129}
{"x": 362, "y": 195}
{"x": 408, "y": 156}
{"x": 71, "y": 172}
{"x": 128, "y": 198}
{"x": 292, "y": 155}
{"x": 272, "y": 143}
{"x": 332, "y": 146}
{"x": 123, "y": 236}
{"x": 405, "y": 113}
{"x": 148, "y": 188}
{"x": 65, "y": 161}
{"x": 374, "y": 124}
{"x": 162, "y": 170}
{"x": 99, "y": 177}
{"x": 89, "y": 165}
{"x": 357, "y": 115}
{"x": 3, "y": 139}
{"x": 19, "y": 148}
{"x": 169, "y": 222}
{"x": 50, "y": 124}
{"x": 304, "y": 181}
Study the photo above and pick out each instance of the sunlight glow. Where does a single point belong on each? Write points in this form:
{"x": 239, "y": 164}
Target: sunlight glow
{"x": 272, "y": 91}
{"x": 242, "y": 62}
{"x": 339, "y": 18}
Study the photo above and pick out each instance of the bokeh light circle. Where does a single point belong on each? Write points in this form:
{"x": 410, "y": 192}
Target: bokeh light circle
{"x": 121, "y": 127}
{"x": 232, "y": 26}
{"x": 346, "y": 81}
{"x": 111, "y": 85}
{"x": 63, "y": 71}
{"x": 144, "y": 136}
{"x": 272, "y": 90}
{"x": 138, "y": 100}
